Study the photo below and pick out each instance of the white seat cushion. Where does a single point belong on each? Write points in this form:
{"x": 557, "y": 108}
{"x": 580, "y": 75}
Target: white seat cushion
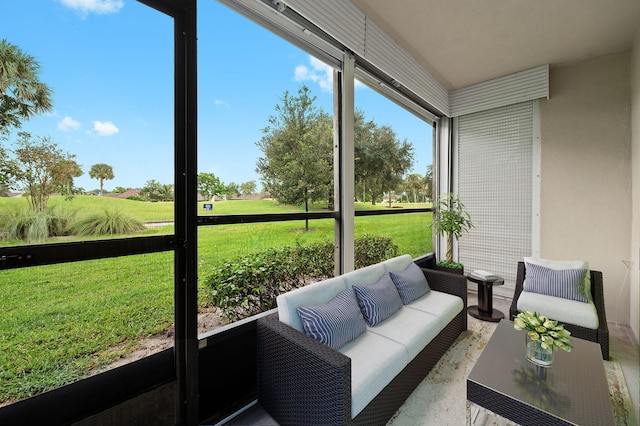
{"x": 442, "y": 305}
{"x": 563, "y": 310}
{"x": 375, "y": 361}
{"x": 411, "y": 328}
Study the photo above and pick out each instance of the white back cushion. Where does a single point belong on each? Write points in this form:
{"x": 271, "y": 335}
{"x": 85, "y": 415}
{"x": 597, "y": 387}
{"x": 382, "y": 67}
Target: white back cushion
{"x": 312, "y": 294}
{"x": 364, "y": 276}
{"x": 398, "y": 264}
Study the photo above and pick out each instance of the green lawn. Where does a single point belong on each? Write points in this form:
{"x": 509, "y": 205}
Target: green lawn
{"x": 60, "y": 321}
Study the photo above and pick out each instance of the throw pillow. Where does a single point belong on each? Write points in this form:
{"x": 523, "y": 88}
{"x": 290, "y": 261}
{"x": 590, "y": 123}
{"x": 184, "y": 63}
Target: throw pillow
{"x": 411, "y": 283}
{"x": 566, "y": 264}
{"x": 334, "y": 323}
{"x": 379, "y": 300}
{"x": 564, "y": 283}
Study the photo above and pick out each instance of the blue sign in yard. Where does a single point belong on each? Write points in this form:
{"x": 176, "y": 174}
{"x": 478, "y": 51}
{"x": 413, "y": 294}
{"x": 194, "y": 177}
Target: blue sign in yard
{"x": 207, "y": 207}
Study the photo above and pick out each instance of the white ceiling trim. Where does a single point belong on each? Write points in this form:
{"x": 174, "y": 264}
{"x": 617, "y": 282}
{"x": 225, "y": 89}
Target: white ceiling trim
{"x": 511, "y": 89}
{"x": 348, "y": 25}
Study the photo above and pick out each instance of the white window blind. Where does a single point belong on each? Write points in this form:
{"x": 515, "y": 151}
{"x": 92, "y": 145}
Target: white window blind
{"x": 495, "y": 164}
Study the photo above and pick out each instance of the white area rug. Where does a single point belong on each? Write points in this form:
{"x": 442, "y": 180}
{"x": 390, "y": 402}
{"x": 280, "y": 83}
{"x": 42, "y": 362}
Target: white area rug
{"x": 441, "y": 399}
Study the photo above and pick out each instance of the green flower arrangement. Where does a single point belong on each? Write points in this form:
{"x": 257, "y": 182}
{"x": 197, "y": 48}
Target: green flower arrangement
{"x": 548, "y": 332}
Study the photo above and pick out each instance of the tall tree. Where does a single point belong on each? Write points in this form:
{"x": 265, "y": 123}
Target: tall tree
{"x": 210, "y": 186}
{"x": 363, "y": 131}
{"x": 428, "y": 183}
{"x": 232, "y": 189}
{"x": 156, "y": 191}
{"x": 381, "y": 159}
{"x": 22, "y": 94}
{"x": 248, "y": 188}
{"x": 296, "y": 166}
{"x": 67, "y": 170}
{"x": 101, "y": 172}
{"x": 40, "y": 167}
{"x": 415, "y": 185}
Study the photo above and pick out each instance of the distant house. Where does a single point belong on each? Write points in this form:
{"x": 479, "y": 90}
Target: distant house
{"x": 250, "y": 196}
{"x": 134, "y": 192}
{"x": 394, "y": 198}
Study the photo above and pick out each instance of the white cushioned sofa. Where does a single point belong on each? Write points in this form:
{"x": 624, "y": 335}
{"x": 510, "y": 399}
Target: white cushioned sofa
{"x": 373, "y": 365}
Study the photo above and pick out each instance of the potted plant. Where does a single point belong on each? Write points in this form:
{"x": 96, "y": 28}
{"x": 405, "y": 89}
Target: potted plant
{"x": 450, "y": 220}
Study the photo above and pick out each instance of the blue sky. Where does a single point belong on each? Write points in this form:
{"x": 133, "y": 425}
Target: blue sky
{"x": 110, "y": 65}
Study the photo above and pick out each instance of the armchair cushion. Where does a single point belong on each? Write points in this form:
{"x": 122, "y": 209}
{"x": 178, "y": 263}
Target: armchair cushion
{"x": 563, "y": 310}
{"x": 562, "y": 283}
{"x": 334, "y": 323}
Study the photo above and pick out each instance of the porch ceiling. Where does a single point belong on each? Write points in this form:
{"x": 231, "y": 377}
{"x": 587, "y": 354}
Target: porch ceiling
{"x": 463, "y": 42}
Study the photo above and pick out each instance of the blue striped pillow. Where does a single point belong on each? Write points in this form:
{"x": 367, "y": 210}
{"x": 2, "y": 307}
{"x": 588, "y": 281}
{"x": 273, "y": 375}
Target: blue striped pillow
{"x": 411, "y": 283}
{"x": 564, "y": 283}
{"x": 379, "y": 300}
{"x": 334, "y": 323}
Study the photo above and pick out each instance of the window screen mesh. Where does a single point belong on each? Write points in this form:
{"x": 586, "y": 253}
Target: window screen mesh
{"x": 495, "y": 150}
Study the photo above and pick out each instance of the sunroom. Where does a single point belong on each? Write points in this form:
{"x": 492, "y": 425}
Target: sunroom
{"x": 530, "y": 112}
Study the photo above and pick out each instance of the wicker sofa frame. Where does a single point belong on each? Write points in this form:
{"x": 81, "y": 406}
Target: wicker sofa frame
{"x": 302, "y": 381}
{"x": 600, "y": 335}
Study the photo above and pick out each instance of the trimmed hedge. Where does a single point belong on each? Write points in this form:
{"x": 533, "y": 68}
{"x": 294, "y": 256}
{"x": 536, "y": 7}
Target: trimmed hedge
{"x": 248, "y": 285}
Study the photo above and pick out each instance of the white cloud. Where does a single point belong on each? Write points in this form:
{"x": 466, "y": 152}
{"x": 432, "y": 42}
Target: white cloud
{"x": 220, "y": 103}
{"x": 67, "y": 124}
{"x": 106, "y": 128}
{"x": 100, "y": 7}
{"x": 320, "y": 73}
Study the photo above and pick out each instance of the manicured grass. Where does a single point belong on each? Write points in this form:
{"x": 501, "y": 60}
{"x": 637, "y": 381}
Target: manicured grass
{"x": 61, "y": 321}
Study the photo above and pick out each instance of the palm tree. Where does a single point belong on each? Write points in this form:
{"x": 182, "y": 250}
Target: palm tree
{"x": 101, "y": 172}
{"x": 22, "y": 94}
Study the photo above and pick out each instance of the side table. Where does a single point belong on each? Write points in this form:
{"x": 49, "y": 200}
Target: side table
{"x": 484, "y": 309}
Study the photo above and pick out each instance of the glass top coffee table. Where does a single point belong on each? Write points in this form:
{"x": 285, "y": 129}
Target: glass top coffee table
{"x": 574, "y": 391}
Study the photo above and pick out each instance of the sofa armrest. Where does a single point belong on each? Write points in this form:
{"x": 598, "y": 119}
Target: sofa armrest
{"x": 447, "y": 282}
{"x": 300, "y": 380}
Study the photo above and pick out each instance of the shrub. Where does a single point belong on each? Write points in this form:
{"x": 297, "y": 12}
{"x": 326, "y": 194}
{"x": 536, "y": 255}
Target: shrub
{"x": 370, "y": 249}
{"x": 110, "y": 221}
{"x": 60, "y": 220}
{"x": 249, "y": 284}
{"x": 35, "y": 227}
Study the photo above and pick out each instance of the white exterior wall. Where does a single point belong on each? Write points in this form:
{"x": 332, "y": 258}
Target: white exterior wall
{"x": 585, "y": 192}
{"x": 634, "y": 255}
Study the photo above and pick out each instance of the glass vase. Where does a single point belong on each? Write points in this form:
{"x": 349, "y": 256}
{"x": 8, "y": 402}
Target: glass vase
{"x": 537, "y": 355}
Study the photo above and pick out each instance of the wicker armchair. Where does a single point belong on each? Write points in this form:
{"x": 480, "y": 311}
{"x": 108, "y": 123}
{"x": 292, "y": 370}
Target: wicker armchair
{"x": 600, "y": 335}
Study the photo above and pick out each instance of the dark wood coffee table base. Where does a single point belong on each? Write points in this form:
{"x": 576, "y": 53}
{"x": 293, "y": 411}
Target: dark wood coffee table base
{"x": 484, "y": 309}
{"x": 493, "y": 316}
